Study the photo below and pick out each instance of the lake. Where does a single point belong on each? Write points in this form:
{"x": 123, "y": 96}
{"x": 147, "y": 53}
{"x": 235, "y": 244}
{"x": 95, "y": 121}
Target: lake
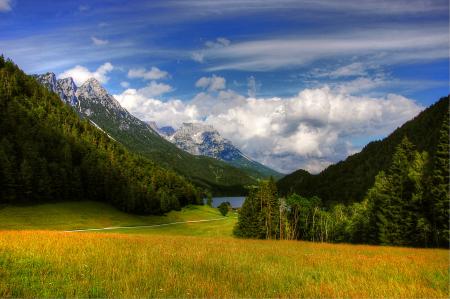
{"x": 235, "y": 201}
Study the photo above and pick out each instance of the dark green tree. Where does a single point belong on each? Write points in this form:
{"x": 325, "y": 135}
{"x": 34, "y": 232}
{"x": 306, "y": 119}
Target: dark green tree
{"x": 224, "y": 207}
{"x": 440, "y": 189}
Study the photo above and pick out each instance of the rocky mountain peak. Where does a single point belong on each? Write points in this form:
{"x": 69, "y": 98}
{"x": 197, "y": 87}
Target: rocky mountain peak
{"x": 48, "y": 80}
{"x": 92, "y": 88}
{"x": 67, "y": 91}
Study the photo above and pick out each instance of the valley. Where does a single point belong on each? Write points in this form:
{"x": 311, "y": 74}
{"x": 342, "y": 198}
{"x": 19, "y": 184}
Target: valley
{"x": 224, "y": 149}
{"x": 194, "y": 260}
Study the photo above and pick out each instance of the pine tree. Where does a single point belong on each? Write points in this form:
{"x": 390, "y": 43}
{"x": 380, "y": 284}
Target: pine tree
{"x": 440, "y": 189}
{"x": 248, "y": 224}
{"x": 26, "y": 181}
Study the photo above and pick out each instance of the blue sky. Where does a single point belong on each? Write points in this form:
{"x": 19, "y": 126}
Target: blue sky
{"x": 295, "y": 84}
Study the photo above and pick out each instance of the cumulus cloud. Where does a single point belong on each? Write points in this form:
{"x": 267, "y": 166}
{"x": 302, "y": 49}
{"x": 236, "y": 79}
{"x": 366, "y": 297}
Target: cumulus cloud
{"x": 153, "y": 74}
{"x": 214, "y": 83}
{"x": 311, "y": 130}
{"x": 5, "y": 5}
{"x": 154, "y": 89}
{"x": 99, "y": 42}
{"x": 170, "y": 113}
{"x": 80, "y": 73}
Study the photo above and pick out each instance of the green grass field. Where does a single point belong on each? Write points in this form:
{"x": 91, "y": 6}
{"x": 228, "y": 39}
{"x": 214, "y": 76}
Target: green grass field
{"x": 195, "y": 259}
{"x": 86, "y": 215}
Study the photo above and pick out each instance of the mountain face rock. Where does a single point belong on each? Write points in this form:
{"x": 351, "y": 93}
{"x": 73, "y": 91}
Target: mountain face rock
{"x": 199, "y": 139}
{"x": 65, "y": 88}
{"x": 204, "y": 140}
{"x": 99, "y": 106}
{"x": 105, "y": 112}
{"x": 48, "y": 80}
{"x": 67, "y": 91}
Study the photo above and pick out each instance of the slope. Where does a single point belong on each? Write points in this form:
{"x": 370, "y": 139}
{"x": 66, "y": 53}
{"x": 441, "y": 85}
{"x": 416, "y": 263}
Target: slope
{"x": 349, "y": 180}
{"x": 97, "y": 105}
{"x": 47, "y": 153}
{"x": 200, "y": 139}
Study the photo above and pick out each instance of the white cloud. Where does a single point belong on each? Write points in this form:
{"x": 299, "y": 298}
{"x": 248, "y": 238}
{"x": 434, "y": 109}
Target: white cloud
{"x": 353, "y": 69}
{"x": 251, "y": 86}
{"x": 153, "y": 74}
{"x": 301, "y": 8}
{"x": 99, "y": 42}
{"x": 315, "y": 126}
{"x": 80, "y": 73}
{"x": 170, "y": 113}
{"x": 220, "y": 42}
{"x": 198, "y": 56}
{"x": 393, "y": 45}
{"x": 125, "y": 84}
{"x": 154, "y": 89}
{"x": 311, "y": 130}
{"x": 5, "y": 5}
{"x": 214, "y": 83}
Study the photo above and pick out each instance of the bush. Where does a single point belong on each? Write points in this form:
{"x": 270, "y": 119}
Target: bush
{"x": 224, "y": 208}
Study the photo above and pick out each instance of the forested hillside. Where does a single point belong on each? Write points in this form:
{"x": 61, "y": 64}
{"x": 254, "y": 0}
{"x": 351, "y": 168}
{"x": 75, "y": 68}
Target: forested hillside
{"x": 48, "y": 154}
{"x": 92, "y": 101}
{"x": 349, "y": 180}
{"x": 408, "y": 205}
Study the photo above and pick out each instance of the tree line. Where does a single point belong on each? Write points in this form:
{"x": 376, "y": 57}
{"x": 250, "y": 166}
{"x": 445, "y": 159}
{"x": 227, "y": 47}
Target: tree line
{"x": 47, "y": 153}
{"x": 408, "y": 205}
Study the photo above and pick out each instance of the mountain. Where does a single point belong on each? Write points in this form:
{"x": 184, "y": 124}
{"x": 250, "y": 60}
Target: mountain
{"x": 48, "y": 153}
{"x": 65, "y": 88}
{"x": 200, "y": 139}
{"x": 105, "y": 112}
{"x": 349, "y": 180}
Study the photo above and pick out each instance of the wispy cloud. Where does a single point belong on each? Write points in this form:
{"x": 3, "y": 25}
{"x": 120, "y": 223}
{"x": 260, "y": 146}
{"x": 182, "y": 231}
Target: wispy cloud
{"x": 83, "y": 7}
{"x": 214, "y": 83}
{"x": 5, "y": 5}
{"x": 99, "y": 42}
{"x": 153, "y": 74}
{"x": 233, "y": 8}
{"x": 397, "y": 45}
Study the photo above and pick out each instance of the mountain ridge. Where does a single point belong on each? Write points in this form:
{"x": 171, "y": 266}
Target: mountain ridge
{"x": 100, "y": 107}
{"x": 205, "y": 140}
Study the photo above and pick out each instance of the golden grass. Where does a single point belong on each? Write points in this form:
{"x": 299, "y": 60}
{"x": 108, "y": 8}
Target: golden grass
{"x": 57, "y": 264}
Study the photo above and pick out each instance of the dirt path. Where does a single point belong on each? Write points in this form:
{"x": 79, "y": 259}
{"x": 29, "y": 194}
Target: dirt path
{"x": 143, "y": 226}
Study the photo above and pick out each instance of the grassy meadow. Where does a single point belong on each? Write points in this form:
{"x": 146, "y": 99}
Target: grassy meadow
{"x": 38, "y": 259}
{"x": 58, "y": 264}
{"x": 89, "y": 214}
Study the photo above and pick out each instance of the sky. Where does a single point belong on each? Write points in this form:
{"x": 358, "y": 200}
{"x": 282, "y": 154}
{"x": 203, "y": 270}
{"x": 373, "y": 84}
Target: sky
{"x": 292, "y": 83}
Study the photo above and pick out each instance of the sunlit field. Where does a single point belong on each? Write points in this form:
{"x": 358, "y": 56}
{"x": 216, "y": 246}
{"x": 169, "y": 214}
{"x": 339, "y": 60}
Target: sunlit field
{"x": 88, "y": 214}
{"x": 59, "y": 264}
{"x": 194, "y": 259}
